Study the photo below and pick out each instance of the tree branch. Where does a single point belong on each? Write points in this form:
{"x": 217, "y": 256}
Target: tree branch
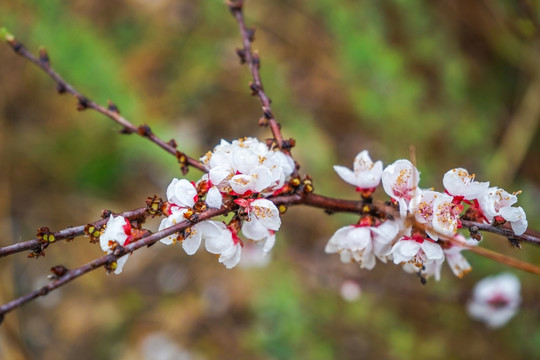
{"x": 254, "y": 63}
{"x": 68, "y": 233}
{"x": 43, "y": 62}
{"x": 120, "y": 251}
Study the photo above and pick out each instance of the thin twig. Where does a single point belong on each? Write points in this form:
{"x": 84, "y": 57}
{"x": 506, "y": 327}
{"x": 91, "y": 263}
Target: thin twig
{"x": 502, "y": 231}
{"x": 495, "y": 256}
{"x": 68, "y": 233}
{"x": 107, "y": 259}
{"x": 43, "y": 62}
{"x": 253, "y": 61}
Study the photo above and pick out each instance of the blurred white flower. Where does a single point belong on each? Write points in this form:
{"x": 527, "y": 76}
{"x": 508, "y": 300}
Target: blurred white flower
{"x": 350, "y": 290}
{"x": 495, "y": 300}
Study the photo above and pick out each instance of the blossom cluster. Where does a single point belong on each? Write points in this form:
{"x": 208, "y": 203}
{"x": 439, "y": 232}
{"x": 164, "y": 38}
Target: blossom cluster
{"x": 240, "y": 174}
{"x": 424, "y": 231}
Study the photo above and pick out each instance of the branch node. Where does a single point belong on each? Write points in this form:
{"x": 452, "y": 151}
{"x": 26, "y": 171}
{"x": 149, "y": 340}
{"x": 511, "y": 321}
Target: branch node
{"x": 57, "y": 272}
{"x": 106, "y": 213}
{"x": 235, "y": 5}
{"x": 44, "y": 57}
{"x": 155, "y": 206}
{"x": 82, "y": 103}
{"x": 183, "y": 161}
{"x": 93, "y": 232}
{"x": 144, "y": 130}
{"x": 263, "y": 121}
{"x": 16, "y": 46}
{"x": 60, "y": 88}
{"x": 515, "y": 242}
{"x": 45, "y": 235}
{"x": 126, "y": 131}
{"x": 267, "y": 113}
{"x": 112, "y": 107}
{"x": 256, "y": 60}
{"x": 308, "y": 185}
{"x": 250, "y": 34}
{"x": 255, "y": 88}
{"x": 242, "y": 55}
{"x": 288, "y": 144}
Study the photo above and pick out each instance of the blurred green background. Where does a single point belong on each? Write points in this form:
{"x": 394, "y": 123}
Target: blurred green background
{"x": 458, "y": 79}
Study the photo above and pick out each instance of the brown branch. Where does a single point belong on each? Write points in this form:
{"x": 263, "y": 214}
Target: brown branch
{"x": 120, "y": 251}
{"x": 43, "y": 62}
{"x": 495, "y": 256}
{"x": 254, "y": 63}
{"x": 69, "y": 233}
{"x": 502, "y": 231}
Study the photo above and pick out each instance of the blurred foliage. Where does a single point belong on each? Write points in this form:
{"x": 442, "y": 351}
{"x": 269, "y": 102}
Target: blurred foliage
{"x": 448, "y": 77}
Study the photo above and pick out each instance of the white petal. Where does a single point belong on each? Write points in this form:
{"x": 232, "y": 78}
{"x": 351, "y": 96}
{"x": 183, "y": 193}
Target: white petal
{"x": 120, "y": 264}
{"x": 192, "y": 243}
{"x": 266, "y": 212}
{"x": 338, "y": 240}
{"x": 405, "y": 250}
{"x": 214, "y": 200}
{"x": 181, "y": 193}
{"x": 359, "y": 239}
{"x": 458, "y": 182}
{"x": 269, "y": 243}
{"x": 262, "y": 178}
{"x": 218, "y": 242}
{"x": 368, "y": 261}
{"x": 432, "y": 250}
{"x": 254, "y": 230}
{"x": 114, "y": 231}
{"x": 232, "y": 257}
{"x": 244, "y": 160}
{"x": 173, "y": 219}
{"x": 346, "y": 174}
{"x": 219, "y": 173}
{"x": 517, "y": 218}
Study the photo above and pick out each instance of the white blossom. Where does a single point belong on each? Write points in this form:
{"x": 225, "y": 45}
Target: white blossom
{"x": 366, "y": 175}
{"x": 445, "y": 216}
{"x": 495, "y": 199}
{"x": 247, "y": 165}
{"x": 495, "y": 300}
{"x": 193, "y": 238}
{"x": 363, "y": 244}
{"x": 459, "y": 183}
{"x": 517, "y": 218}
{"x": 263, "y": 216}
{"x": 425, "y": 210}
{"x": 220, "y": 240}
{"x": 400, "y": 182}
{"x": 416, "y": 250}
{"x": 353, "y": 243}
{"x": 181, "y": 193}
{"x": 117, "y": 232}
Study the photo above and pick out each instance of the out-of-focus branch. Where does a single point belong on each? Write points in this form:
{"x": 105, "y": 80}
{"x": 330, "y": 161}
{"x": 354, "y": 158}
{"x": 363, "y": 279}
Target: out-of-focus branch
{"x": 254, "y": 63}
{"x": 38, "y": 245}
{"x": 111, "y": 111}
{"x": 119, "y": 251}
{"x": 518, "y": 136}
